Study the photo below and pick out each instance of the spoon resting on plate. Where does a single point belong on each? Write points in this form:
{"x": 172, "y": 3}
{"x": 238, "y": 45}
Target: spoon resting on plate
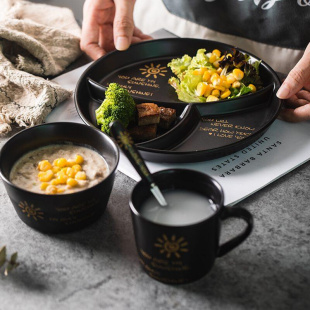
{"x": 125, "y": 142}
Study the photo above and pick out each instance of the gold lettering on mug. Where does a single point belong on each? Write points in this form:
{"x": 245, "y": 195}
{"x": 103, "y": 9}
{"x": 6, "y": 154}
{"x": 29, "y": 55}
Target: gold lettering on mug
{"x": 146, "y": 255}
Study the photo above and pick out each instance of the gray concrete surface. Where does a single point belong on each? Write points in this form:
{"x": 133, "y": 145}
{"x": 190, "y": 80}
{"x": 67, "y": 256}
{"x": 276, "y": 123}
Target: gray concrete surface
{"x": 98, "y": 267}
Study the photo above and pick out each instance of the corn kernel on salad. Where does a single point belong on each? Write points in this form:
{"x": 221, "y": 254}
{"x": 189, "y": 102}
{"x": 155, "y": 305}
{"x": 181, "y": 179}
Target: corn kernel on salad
{"x": 214, "y": 76}
{"x": 59, "y": 169}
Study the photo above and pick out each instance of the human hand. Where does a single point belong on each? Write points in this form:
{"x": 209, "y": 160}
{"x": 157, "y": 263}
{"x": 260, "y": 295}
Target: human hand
{"x": 296, "y": 90}
{"x": 107, "y": 25}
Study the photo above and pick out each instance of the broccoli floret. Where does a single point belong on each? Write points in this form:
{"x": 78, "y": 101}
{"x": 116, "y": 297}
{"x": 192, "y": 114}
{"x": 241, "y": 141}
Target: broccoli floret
{"x": 117, "y": 105}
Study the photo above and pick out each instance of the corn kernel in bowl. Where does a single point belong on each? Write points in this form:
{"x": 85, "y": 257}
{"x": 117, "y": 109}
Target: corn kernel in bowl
{"x": 59, "y": 169}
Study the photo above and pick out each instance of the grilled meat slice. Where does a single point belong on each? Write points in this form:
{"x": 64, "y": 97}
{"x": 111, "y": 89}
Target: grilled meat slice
{"x": 143, "y": 133}
{"x": 167, "y": 117}
{"x": 148, "y": 113}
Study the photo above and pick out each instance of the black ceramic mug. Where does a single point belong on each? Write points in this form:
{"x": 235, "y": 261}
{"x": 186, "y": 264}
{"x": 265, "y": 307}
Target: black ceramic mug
{"x": 179, "y": 254}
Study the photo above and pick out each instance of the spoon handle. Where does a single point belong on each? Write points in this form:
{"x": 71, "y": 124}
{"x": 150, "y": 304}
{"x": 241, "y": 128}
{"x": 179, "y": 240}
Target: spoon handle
{"x": 125, "y": 142}
{"x": 127, "y": 145}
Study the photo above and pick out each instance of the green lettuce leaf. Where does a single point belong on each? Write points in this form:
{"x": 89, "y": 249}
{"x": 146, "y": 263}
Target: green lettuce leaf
{"x": 179, "y": 65}
{"x": 186, "y": 89}
{"x": 200, "y": 60}
{"x": 237, "y": 92}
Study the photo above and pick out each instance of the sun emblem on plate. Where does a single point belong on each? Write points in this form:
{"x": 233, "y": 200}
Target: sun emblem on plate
{"x": 31, "y": 211}
{"x": 173, "y": 246}
{"x": 124, "y": 140}
{"x": 149, "y": 70}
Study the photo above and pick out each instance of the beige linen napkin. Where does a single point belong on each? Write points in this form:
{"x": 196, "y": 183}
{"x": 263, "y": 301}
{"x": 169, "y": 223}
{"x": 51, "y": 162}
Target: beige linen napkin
{"x": 37, "y": 41}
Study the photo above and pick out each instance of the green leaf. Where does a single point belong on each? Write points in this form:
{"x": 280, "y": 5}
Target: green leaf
{"x": 2, "y": 256}
{"x": 251, "y": 74}
{"x": 13, "y": 258}
{"x": 179, "y": 65}
{"x": 237, "y": 92}
{"x": 200, "y": 60}
{"x": 256, "y": 65}
{"x": 12, "y": 264}
{"x": 8, "y": 269}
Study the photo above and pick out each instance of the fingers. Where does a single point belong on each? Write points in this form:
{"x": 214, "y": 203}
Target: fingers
{"x": 139, "y": 34}
{"x": 303, "y": 94}
{"x": 297, "y": 78}
{"x": 296, "y": 115}
{"x": 139, "y": 37}
{"x": 295, "y": 89}
{"x": 292, "y": 104}
{"x": 123, "y": 23}
{"x": 107, "y": 25}
{"x": 91, "y": 30}
{"x": 301, "y": 98}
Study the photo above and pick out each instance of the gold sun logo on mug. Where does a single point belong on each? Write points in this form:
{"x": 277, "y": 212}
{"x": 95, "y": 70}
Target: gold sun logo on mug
{"x": 31, "y": 211}
{"x": 172, "y": 246}
{"x": 149, "y": 70}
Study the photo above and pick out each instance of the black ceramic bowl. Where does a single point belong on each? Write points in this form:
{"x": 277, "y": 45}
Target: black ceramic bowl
{"x": 65, "y": 212}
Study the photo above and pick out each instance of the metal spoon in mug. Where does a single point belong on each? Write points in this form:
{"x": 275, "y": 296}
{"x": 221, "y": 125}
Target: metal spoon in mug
{"x": 127, "y": 145}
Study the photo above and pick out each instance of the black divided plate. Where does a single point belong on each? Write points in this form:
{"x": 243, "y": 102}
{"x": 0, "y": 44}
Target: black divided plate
{"x": 202, "y": 131}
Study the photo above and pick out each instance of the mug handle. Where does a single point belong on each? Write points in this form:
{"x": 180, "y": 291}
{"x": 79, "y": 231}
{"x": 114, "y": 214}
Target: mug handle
{"x": 229, "y": 212}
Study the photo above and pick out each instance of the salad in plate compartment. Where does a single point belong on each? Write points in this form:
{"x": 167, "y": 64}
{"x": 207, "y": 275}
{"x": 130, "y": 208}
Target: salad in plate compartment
{"x": 213, "y": 76}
